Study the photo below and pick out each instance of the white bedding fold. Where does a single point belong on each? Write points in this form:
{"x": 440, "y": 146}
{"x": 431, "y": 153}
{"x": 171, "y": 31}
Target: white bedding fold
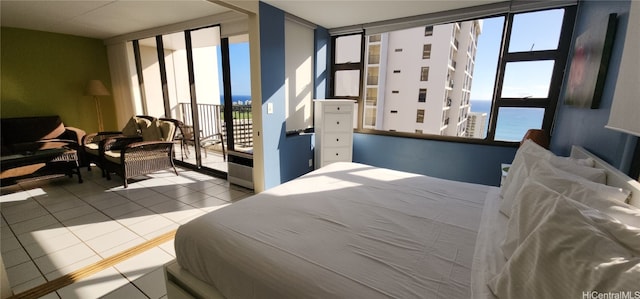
{"x": 345, "y": 231}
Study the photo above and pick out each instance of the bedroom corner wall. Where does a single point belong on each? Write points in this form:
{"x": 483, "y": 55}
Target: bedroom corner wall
{"x": 45, "y": 73}
{"x": 585, "y": 127}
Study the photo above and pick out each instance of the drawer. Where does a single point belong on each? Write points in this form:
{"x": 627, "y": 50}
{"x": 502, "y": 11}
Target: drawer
{"x": 334, "y": 154}
{"x": 337, "y": 139}
{"x": 338, "y": 107}
{"x": 338, "y": 122}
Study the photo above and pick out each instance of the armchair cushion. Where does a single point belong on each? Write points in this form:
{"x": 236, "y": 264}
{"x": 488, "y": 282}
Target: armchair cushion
{"x": 167, "y": 130}
{"x": 131, "y": 128}
{"x": 152, "y": 132}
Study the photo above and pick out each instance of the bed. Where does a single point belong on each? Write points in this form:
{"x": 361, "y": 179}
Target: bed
{"x": 350, "y": 230}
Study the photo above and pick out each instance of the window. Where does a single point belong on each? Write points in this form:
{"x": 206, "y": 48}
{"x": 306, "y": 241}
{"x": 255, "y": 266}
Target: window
{"x": 420, "y": 116}
{"x": 428, "y": 31}
{"x": 512, "y": 80}
{"x": 424, "y": 74}
{"x": 422, "y": 95}
{"x": 426, "y": 51}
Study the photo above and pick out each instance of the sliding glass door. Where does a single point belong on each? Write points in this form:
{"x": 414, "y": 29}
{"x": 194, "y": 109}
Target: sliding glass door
{"x": 180, "y": 77}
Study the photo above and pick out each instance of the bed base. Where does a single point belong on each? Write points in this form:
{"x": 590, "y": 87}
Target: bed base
{"x": 181, "y": 284}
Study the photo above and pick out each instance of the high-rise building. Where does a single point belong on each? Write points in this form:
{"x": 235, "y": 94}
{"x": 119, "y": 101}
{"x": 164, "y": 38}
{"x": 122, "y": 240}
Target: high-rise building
{"x": 419, "y": 80}
{"x": 476, "y": 125}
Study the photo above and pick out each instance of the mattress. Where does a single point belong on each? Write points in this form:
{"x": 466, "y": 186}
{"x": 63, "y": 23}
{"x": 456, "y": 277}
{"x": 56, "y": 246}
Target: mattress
{"x": 347, "y": 230}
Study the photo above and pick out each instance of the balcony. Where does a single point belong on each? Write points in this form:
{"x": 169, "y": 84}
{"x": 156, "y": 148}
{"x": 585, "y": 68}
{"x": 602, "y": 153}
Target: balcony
{"x": 211, "y": 123}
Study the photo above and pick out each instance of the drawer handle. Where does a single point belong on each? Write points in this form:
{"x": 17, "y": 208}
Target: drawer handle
{"x": 337, "y": 154}
{"x": 338, "y": 122}
{"x": 338, "y": 108}
{"x": 337, "y": 139}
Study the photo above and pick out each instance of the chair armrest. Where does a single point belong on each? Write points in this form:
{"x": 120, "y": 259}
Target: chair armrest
{"x": 98, "y": 137}
{"x": 118, "y": 142}
{"x": 74, "y": 133}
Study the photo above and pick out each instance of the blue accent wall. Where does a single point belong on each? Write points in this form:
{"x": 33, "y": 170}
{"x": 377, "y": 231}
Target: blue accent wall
{"x": 465, "y": 162}
{"x": 585, "y": 127}
{"x": 285, "y": 157}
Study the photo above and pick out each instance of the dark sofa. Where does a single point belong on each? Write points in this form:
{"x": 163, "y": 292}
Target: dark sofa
{"x": 24, "y": 139}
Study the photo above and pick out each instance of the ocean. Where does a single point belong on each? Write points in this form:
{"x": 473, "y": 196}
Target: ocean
{"x": 512, "y": 122}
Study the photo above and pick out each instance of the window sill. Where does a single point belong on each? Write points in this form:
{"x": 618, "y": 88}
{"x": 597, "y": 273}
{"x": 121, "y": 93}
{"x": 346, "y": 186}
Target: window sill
{"x": 438, "y": 138}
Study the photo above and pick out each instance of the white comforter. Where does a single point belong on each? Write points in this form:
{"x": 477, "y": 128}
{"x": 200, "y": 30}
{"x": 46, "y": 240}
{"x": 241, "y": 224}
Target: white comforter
{"x": 345, "y": 231}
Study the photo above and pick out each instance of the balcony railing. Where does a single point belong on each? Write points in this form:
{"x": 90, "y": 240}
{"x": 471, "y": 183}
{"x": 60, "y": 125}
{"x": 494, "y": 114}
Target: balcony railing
{"x": 212, "y": 121}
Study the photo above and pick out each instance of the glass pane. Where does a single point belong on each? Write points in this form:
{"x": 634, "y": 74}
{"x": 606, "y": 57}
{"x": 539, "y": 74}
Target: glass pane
{"x": 154, "y": 103}
{"x": 528, "y": 79}
{"x": 348, "y": 48}
{"x": 514, "y": 122}
{"x": 175, "y": 57}
{"x": 347, "y": 83}
{"x": 536, "y": 31}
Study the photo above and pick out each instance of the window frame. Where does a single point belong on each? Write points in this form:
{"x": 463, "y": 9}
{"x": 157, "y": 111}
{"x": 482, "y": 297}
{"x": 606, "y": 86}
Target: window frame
{"x": 559, "y": 56}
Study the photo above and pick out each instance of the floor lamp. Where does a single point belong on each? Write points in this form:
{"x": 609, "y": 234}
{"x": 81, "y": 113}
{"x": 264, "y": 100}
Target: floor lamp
{"x": 95, "y": 88}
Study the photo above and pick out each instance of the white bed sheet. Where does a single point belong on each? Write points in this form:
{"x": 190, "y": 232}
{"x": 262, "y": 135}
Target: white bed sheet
{"x": 344, "y": 231}
{"x": 488, "y": 258}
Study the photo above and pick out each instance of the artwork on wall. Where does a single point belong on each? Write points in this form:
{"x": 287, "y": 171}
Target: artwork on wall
{"x": 589, "y": 64}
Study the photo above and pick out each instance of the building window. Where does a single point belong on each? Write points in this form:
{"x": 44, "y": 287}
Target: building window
{"x": 418, "y": 131}
{"x": 420, "y": 116}
{"x": 501, "y": 96}
{"x": 422, "y": 95}
{"x": 424, "y": 73}
{"x": 375, "y": 38}
{"x": 428, "y": 31}
{"x": 426, "y": 51}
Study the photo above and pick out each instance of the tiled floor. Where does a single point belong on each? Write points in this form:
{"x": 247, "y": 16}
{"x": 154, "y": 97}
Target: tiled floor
{"x": 53, "y": 227}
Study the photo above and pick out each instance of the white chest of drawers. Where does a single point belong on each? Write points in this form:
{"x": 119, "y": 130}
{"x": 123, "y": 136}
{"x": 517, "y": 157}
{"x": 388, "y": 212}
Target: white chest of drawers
{"x": 333, "y": 121}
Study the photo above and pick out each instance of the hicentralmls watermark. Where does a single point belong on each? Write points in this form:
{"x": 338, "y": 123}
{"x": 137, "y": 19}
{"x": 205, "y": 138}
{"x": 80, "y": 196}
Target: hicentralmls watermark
{"x": 611, "y": 295}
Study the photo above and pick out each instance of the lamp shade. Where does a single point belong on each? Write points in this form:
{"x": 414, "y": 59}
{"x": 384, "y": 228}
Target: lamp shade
{"x": 96, "y": 88}
{"x": 625, "y": 108}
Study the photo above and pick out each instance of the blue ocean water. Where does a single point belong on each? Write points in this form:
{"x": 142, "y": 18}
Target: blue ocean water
{"x": 512, "y": 122}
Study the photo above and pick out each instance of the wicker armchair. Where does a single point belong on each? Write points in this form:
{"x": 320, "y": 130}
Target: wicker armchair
{"x": 93, "y": 144}
{"x": 153, "y": 153}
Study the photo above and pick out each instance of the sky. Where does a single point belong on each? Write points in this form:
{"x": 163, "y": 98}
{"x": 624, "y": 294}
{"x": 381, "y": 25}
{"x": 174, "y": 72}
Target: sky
{"x": 536, "y": 30}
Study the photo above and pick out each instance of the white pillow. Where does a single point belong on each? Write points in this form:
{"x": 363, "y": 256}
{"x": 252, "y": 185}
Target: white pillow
{"x": 532, "y": 148}
{"x": 573, "y": 251}
{"x": 563, "y": 182}
{"x": 534, "y": 202}
{"x": 527, "y": 160}
{"x": 545, "y": 184}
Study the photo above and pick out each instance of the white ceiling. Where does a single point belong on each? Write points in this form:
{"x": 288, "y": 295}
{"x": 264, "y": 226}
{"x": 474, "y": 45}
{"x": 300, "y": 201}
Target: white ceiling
{"x": 106, "y": 19}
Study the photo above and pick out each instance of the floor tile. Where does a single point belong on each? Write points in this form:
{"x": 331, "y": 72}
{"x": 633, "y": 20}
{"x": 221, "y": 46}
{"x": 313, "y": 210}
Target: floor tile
{"x": 52, "y": 244}
{"x": 128, "y": 291}
{"x": 27, "y": 285}
{"x": 94, "y": 286}
{"x": 73, "y": 267}
{"x": 65, "y": 226}
{"x": 152, "y": 284}
{"x": 65, "y": 257}
{"x": 15, "y": 257}
{"x": 97, "y": 229}
{"x": 143, "y": 263}
{"x": 111, "y": 240}
{"x": 22, "y": 273}
{"x": 76, "y": 212}
{"x": 34, "y": 224}
{"x": 150, "y": 225}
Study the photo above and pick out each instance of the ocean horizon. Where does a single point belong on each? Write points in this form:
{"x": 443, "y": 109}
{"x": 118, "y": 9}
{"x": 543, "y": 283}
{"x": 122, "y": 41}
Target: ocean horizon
{"x": 513, "y": 123}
